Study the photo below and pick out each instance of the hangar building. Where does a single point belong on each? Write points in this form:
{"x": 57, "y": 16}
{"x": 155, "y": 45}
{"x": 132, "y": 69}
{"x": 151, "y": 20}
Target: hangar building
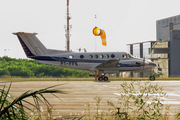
{"x": 164, "y": 51}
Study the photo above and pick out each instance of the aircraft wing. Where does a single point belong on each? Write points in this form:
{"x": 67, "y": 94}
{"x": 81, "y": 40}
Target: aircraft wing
{"x": 108, "y": 64}
{"x": 143, "y": 70}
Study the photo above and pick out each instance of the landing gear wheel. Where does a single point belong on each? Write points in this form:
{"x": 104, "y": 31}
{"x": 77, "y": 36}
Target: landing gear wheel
{"x": 105, "y": 78}
{"x": 152, "y": 78}
{"x": 100, "y": 78}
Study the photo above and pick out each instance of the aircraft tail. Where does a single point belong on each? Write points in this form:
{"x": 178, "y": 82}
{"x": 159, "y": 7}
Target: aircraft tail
{"x": 31, "y": 44}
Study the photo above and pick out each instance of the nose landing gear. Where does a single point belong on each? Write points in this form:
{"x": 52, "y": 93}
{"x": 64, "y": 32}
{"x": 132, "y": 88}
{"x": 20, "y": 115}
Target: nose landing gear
{"x": 152, "y": 78}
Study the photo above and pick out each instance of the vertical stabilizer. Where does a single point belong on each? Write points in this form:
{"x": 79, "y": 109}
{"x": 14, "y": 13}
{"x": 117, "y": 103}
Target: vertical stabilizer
{"x": 31, "y": 44}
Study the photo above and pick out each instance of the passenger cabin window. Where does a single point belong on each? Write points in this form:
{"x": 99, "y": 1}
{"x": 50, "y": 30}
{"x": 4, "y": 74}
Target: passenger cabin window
{"x": 71, "y": 56}
{"x": 90, "y": 56}
{"x": 96, "y": 56}
{"x": 106, "y": 56}
{"x": 112, "y": 55}
{"x": 101, "y": 56}
{"x": 81, "y": 56}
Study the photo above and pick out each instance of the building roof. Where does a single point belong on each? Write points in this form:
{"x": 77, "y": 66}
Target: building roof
{"x": 169, "y": 17}
{"x": 145, "y": 42}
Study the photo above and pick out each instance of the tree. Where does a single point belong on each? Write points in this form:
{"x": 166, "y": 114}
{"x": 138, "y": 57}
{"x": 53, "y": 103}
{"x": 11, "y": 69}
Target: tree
{"x": 4, "y": 72}
{"x": 31, "y": 68}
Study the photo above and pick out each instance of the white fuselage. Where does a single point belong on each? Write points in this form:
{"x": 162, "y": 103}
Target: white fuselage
{"x": 89, "y": 60}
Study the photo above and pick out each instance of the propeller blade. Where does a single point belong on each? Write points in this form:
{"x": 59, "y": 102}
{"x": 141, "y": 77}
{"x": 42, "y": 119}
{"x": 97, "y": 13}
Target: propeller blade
{"x": 143, "y": 62}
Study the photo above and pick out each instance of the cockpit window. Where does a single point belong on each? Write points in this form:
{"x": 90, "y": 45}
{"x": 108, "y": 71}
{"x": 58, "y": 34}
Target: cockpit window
{"x": 127, "y": 56}
{"x": 124, "y": 56}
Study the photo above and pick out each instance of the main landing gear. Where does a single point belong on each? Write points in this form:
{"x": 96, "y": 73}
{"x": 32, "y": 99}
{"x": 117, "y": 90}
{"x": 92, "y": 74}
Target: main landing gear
{"x": 102, "y": 77}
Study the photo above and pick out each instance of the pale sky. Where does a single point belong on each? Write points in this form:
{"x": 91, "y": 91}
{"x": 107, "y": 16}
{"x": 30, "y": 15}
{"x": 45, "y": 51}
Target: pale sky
{"x": 124, "y": 21}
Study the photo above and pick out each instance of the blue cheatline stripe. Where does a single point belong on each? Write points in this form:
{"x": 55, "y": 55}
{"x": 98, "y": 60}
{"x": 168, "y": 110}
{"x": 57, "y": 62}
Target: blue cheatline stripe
{"x": 48, "y": 58}
{"x": 58, "y": 58}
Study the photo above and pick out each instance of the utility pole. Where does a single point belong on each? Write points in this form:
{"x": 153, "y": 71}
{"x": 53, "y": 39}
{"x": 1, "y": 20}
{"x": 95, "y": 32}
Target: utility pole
{"x": 67, "y": 28}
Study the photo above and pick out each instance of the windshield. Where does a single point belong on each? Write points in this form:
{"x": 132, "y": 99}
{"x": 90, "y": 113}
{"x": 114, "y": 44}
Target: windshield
{"x": 127, "y": 56}
{"x": 130, "y": 56}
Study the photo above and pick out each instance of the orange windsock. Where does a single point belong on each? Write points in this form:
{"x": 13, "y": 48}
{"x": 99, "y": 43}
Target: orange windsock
{"x": 100, "y": 32}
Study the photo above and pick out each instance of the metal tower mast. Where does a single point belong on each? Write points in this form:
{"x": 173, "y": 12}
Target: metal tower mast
{"x": 67, "y": 28}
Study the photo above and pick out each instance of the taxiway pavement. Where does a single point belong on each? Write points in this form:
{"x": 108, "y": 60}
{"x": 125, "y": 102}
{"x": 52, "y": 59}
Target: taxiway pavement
{"x": 79, "y": 93}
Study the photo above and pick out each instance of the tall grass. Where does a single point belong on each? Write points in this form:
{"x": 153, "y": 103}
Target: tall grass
{"x": 137, "y": 101}
{"x": 12, "y": 108}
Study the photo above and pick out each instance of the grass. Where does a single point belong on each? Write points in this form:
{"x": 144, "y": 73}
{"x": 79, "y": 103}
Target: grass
{"x": 84, "y": 79}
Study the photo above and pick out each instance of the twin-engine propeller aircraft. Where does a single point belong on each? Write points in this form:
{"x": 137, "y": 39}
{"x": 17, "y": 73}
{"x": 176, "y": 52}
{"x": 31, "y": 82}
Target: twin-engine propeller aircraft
{"x": 98, "y": 62}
